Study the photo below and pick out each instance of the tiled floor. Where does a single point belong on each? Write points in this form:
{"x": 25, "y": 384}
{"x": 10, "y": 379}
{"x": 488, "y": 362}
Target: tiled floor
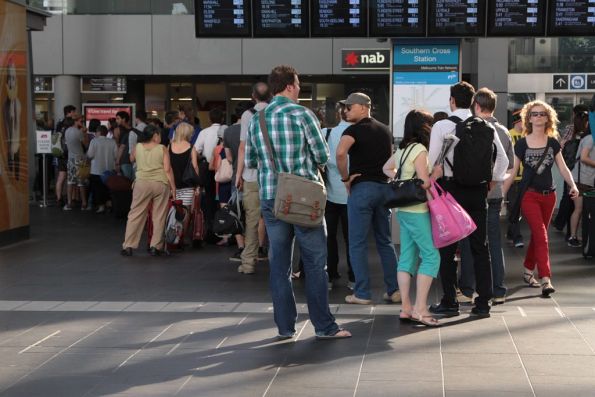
{"x": 76, "y": 319}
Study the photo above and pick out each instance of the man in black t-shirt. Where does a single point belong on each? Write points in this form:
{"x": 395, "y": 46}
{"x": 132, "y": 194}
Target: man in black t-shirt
{"x": 369, "y": 145}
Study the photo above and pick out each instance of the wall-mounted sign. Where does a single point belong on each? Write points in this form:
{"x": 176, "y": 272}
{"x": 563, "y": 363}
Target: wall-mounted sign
{"x": 105, "y": 111}
{"x": 365, "y": 59}
{"x": 422, "y": 73}
{"x": 43, "y": 85}
{"x": 105, "y": 84}
{"x": 44, "y": 142}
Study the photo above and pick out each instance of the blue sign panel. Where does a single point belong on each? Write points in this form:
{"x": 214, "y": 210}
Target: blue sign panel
{"x": 415, "y": 54}
{"x": 434, "y": 78}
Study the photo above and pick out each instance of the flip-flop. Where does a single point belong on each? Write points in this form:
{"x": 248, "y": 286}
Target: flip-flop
{"x": 431, "y": 322}
{"x": 530, "y": 280}
{"x": 341, "y": 333}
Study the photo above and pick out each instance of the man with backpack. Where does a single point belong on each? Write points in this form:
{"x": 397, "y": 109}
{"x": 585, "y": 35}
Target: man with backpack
{"x": 467, "y": 175}
{"x": 484, "y": 104}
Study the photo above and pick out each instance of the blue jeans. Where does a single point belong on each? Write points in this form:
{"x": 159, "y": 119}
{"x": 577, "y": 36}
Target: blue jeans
{"x": 365, "y": 208}
{"x": 467, "y": 276}
{"x": 312, "y": 243}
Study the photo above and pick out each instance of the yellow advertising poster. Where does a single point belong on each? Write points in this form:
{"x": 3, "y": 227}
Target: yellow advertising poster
{"x": 14, "y": 200}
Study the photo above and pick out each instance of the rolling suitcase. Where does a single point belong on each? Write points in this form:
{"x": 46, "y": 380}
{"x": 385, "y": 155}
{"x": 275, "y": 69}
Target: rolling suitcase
{"x": 198, "y": 221}
{"x": 174, "y": 237}
{"x": 589, "y": 225}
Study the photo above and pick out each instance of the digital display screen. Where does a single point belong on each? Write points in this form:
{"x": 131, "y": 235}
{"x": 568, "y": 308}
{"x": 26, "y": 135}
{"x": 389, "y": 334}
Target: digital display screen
{"x": 339, "y": 18}
{"x": 222, "y": 18}
{"x": 516, "y": 17}
{"x": 404, "y": 18}
{"x": 281, "y": 18}
{"x": 456, "y": 18}
{"x": 571, "y": 18}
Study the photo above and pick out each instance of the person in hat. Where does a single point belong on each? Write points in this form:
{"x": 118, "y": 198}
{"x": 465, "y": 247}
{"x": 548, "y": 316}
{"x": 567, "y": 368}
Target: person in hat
{"x": 513, "y": 233}
{"x": 369, "y": 144}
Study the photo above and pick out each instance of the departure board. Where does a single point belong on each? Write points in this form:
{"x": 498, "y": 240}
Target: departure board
{"x": 571, "y": 18}
{"x": 456, "y": 18}
{"x": 222, "y": 18}
{"x": 281, "y": 18}
{"x": 516, "y": 17}
{"x": 403, "y": 18}
{"x": 339, "y": 18}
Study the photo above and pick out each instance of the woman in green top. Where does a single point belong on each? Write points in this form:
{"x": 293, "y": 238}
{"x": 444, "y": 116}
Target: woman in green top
{"x": 414, "y": 220}
{"x": 154, "y": 183}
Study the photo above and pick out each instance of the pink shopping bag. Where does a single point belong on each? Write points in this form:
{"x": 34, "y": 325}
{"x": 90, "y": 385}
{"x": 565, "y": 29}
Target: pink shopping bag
{"x": 450, "y": 222}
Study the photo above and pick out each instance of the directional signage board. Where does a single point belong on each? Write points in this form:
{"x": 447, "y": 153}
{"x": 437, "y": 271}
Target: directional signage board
{"x": 560, "y": 81}
{"x": 578, "y": 81}
{"x": 591, "y": 81}
{"x": 423, "y": 71}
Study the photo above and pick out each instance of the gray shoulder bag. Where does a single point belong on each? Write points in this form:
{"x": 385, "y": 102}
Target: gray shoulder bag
{"x": 299, "y": 200}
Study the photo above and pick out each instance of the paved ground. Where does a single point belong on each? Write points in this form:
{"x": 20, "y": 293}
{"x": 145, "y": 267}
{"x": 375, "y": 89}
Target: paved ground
{"x": 77, "y": 319}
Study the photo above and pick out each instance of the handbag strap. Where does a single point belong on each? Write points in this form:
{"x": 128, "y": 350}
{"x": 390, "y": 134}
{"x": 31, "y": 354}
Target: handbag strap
{"x": 406, "y": 154}
{"x": 267, "y": 141}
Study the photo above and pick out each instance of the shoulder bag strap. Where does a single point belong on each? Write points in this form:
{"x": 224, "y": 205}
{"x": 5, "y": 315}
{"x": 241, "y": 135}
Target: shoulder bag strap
{"x": 406, "y": 154}
{"x": 328, "y": 133}
{"x": 267, "y": 141}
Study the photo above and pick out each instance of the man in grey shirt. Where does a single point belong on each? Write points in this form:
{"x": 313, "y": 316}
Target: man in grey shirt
{"x": 76, "y": 139}
{"x": 484, "y": 104}
{"x": 247, "y": 181}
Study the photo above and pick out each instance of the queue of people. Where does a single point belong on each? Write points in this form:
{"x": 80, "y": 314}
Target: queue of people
{"x": 274, "y": 136}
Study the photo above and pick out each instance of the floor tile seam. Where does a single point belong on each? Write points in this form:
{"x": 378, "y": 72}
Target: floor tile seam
{"x": 574, "y": 326}
{"x": 141, "y": 348}
{"x": 54, "y": 356}
{"x": 441, "y": 363}
{"x": 519, "y": 357}
{"x": 359, "y": 373}
{"x": 282, "y": 365}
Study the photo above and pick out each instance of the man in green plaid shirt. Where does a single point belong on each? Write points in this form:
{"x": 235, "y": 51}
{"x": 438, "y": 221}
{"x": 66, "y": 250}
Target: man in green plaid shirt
{"x": 298, "y": 148}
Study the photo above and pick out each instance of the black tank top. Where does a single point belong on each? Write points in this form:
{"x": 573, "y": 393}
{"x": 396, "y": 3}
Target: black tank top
{"x": 178, "y": 165}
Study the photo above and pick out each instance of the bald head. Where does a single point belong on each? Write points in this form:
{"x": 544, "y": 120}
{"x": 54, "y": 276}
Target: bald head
{"x": 260, "y": 92}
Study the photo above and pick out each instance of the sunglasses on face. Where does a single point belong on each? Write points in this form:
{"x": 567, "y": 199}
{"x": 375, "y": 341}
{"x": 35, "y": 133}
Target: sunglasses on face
{"x": 538, "y": 114}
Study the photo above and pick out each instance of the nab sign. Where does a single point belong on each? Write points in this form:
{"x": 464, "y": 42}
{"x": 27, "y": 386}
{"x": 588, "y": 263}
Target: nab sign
{"x": 368, "y": 59}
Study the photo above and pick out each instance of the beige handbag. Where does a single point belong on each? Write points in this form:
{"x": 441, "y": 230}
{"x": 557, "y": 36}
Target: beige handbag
{"x": 299, "y": 200}
{"x": 224, "y": 172}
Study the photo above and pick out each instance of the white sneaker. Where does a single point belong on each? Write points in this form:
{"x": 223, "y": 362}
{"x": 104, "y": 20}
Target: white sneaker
{"x": 100, "y": 210}
{"x": 67, "y": 208}
{"x": 330, "y": 285}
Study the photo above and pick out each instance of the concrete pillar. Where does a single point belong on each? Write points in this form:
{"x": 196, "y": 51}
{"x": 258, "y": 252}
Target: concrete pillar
{"x": 135, "y": 93}
{"x": 67, "y": 91}
{"x": 492, "y": 71}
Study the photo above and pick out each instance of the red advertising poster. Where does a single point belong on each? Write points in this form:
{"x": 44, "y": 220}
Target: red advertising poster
{"x": 104, "y": 112}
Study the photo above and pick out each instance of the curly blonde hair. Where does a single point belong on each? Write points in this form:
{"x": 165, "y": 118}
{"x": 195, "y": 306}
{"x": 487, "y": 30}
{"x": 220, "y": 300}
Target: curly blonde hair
{"x": 551, "y": 127}
{"x": 184, "y": 132}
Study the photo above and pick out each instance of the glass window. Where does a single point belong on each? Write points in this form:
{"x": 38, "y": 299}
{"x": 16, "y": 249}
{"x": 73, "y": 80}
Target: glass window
{"x": 563, "y": 105}
{"x": 552, "y": 55}
{"x": 516, "y": 102}
{"x": 155, "y": 99}
{"x": 209, "y": 96}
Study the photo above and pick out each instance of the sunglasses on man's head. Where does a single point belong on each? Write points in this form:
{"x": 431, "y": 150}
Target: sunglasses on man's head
{"x": 540, "y": 114}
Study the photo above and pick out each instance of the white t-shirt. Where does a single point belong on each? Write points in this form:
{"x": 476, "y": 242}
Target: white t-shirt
{"x": 207, "y": 140}
{"x": 249, "y": 174}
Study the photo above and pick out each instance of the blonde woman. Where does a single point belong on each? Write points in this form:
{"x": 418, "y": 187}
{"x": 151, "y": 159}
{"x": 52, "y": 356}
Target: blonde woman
{"x": 180, "y": 153}
{"x": 154, "y": 179}
{"x": 538, "y": 150}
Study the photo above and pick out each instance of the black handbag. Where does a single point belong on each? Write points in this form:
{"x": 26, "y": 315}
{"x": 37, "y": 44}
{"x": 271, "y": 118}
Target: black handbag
{"x": 190, "y": 178}
{"x": 406, "y": 192}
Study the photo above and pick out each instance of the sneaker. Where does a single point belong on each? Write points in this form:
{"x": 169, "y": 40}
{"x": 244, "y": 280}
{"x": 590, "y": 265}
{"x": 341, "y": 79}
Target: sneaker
{"x": 237, "y": 257}
{"x": 100, "y": 210}
{"x": 246, "y": 269}
{"x": 330, "y": 285}
{"x": 498, "y": 300}
{"x": 518, "y": 243}
{"x": 547, "y": 288}
{"x": 574, "y": 242}
{"x": 394, "y": 298}
{"x": 263, "y": 254}
{"x": 357, "y": 301}
{"x": 87, "y": 208}
{"x": 462, "y": 298}
{"x": 480, "y": 311}
{"x": 67, "y": 208}
{"x": 351, "y": 285}
{"x": 445, "y": 310}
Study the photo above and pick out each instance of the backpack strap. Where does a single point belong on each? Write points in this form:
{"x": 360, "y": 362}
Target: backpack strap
{"x": 252, "y": 110}
{"x": 404, "y": 156}
{"x": 456, "y": 120}
{"x": 328, "y": 133}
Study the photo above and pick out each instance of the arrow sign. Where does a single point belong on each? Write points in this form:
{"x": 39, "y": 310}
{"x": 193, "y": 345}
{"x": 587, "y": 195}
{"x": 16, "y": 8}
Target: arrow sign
{"x": 560, "y": 82}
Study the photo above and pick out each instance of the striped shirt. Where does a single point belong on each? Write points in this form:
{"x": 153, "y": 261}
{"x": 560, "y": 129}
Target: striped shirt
{"x": 297, "y": 143}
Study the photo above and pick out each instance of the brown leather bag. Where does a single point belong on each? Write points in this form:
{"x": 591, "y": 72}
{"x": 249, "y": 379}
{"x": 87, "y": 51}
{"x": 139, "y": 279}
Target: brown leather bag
{"x": 299, "y": 201}
{"x": 198, "y": 219}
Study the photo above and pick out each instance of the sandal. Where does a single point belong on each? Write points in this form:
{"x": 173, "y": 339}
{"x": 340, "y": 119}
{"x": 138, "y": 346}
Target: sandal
{"x": 428, "y": 320}
{"x": 340, "y": 333}
{"x": 404, "y": 316}
{"x": 547, "y": 288}
{"x": 530, "y": 280}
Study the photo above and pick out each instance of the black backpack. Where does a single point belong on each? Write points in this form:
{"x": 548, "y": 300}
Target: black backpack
{"x": 570, "y": 152}
{"x": 473, "y": 154}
